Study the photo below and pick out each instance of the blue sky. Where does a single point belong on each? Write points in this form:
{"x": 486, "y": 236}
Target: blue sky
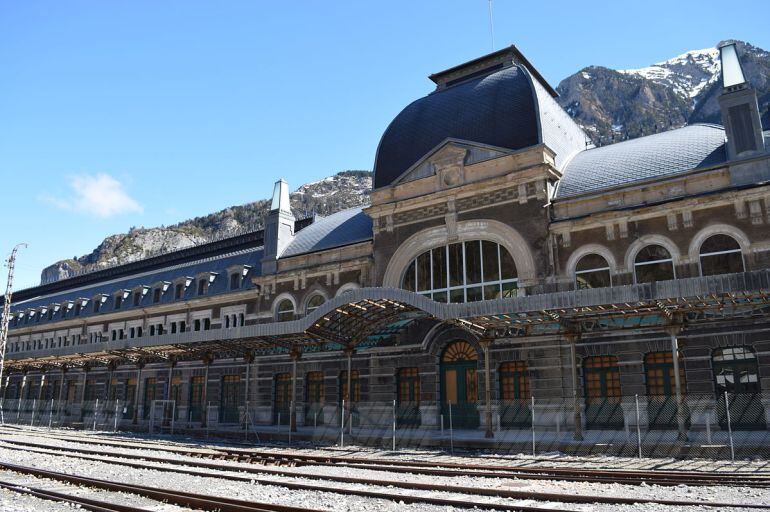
{"x": 141, "y": 113}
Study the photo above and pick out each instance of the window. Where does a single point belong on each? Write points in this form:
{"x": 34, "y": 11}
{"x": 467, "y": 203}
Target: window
{"x": 736, "y": 373}
{"x": 206, "y": 324}
{"x": 173, "y": 327}
{"x": 463, "y": 272}
{"x": 602, "y": 392}
{"x": 285, "y": 311}
{"x": 152, "y": 330}
{"x": 203, "y": 286}
{"x": 179, "y": 291}
{"x": 118, "y": 301}
{"x": 592, "y": 271}
{"x": 356, "y": 385}
{"x": 653, "y": 263}
{"x": 720, "y": 254}
{"x": 314, "y": 302}
{"x": 156, "y": 295}
{"x": 197, "y": 324}
{"x": 514, "y": 382}
{"x": 137, "y": 297}
{"x": 235, "y": 280}
{"x": 97, "y": 305}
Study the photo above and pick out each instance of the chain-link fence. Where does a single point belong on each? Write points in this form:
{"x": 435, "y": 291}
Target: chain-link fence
{"x": 703, "y": 426}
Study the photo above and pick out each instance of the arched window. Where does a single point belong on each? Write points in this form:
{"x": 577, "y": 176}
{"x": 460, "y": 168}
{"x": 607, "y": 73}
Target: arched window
{"x": 463, "y": 272}
{"x": 285, "y": 311}
{"x": 314, "y": 302}
{"x": 653, "y": 263}
{"x": 592, "y": 271}
{"x": 720, "y": 254}
{"x": 460, "y": 351}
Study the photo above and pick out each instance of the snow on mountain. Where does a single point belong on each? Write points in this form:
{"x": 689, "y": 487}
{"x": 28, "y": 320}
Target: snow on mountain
{"x": 686, "y": 74}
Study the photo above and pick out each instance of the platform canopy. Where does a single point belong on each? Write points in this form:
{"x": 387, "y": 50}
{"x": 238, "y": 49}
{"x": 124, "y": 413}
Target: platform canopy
{"x": 368, "y": 317}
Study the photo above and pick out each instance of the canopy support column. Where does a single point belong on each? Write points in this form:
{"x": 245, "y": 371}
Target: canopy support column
{"x": 204, "y": 392}
{"x": 577, "y": 416}
{"x": 295, "y": 355}
{"x": 139, "y": 366}
{"x": 673, "y": 331}
{"x": 485, "y": 344}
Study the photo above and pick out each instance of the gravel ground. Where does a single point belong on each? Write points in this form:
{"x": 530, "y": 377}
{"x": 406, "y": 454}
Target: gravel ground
{"x": 336, "y": 502}
{"x": 15, "y": 502}
{"x": 38, "y": 504}
{"x": 477, "y": 457}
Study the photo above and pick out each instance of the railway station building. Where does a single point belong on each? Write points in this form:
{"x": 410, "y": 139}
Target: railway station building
{"x": 503, "y": 261}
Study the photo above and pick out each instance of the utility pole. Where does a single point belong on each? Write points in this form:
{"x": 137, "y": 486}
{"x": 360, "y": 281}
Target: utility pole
{"x": 5, "y": 319}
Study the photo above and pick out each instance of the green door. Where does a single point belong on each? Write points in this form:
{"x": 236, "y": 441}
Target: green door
{"x": 459, "y": 386}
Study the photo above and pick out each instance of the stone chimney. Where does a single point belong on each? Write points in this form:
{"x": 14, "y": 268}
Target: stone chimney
{"x": 279, "y": 227}
{"x": 740, "y": 111}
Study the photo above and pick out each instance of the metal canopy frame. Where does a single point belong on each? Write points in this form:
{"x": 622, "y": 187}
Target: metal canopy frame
{"x": 350, "y": 320}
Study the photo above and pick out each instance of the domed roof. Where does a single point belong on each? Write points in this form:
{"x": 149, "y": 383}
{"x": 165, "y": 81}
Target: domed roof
{"x": 499, "y": 109}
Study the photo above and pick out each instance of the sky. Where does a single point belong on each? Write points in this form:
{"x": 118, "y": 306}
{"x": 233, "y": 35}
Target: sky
{"x": 146, "y": 113}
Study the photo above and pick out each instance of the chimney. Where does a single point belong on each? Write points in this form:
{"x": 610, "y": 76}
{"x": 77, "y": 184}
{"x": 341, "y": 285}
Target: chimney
{"x": 279, "y": 227}
{"x": 740, "y": 111}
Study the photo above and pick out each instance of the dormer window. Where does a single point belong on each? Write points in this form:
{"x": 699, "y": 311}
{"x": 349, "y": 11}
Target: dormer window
{"x": 137, "y": 297}
{"x": 235, "y": 281}
{"x": 118, "y": 300}
{"x": 156, "y": 295}
{"x": 203, "y": 286}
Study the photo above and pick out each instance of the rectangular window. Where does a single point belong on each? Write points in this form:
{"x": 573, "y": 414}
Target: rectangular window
{"x": 235, "y": 281}
{"x": 137, "y": 298}
{"x": 118, "y": 301}
{"x": 439, "y": 268}
{"x": 203, "y": 286}
{"x": 472, "y": 262}
{"x": 156, "y": 295}
{"x": 179, "y": 291}
{"x": 456, "y": 265}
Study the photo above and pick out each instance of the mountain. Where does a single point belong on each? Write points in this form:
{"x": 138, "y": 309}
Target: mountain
{"x": 614, "y": 105}
{"x": 611, "y": 105}
{"x": 345, "y": 189}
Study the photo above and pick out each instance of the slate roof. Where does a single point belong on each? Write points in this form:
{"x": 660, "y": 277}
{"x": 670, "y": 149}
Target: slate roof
{"x": 506, "y": 108}
{"x": 336, "y": 230}
{"x": 645, "y": 158}
{"x": 219, "y": 264}
{"x": 497, "y": 109}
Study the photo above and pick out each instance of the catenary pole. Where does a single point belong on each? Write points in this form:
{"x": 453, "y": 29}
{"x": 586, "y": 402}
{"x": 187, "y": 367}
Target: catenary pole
{"x": 11, "y": 262}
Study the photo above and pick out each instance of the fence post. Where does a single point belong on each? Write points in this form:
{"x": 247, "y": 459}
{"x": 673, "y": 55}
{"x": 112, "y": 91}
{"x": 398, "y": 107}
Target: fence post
{"x": 342, "y": 425}
{"x": 451, "y": 431}
{"x": 533, "y": 425}
{"x": 96, "y": 413}
{"x": 729, "y": 427}
{"x": 638, "y": 428}
{"x": 292, "y": 414}
{"x": 394, "y": 425}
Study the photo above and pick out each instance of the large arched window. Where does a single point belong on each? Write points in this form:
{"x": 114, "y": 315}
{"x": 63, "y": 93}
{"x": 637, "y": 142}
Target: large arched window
{"x": 653, "y": 263}
{"x": 463, "y": 272}
{"x": 720, "y": 254}
{"x": 592, "y": 271}
{"x": 285, "y": 311}
{"x": 314, "y": 302}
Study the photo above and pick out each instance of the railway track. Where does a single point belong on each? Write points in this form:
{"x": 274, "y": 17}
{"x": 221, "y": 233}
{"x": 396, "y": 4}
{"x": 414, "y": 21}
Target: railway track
{"x": 98, "y": 455}
{"x": 184, "y": 499}
{"x": 79, "y": 501}
{"x": 282, "y": 459}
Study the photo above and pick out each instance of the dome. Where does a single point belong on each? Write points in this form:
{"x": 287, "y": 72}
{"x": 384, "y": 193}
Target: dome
{"x": 499, "y": 109}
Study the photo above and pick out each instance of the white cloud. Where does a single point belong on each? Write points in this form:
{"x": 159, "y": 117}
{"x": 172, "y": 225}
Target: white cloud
{"x": 100, "y": 195}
